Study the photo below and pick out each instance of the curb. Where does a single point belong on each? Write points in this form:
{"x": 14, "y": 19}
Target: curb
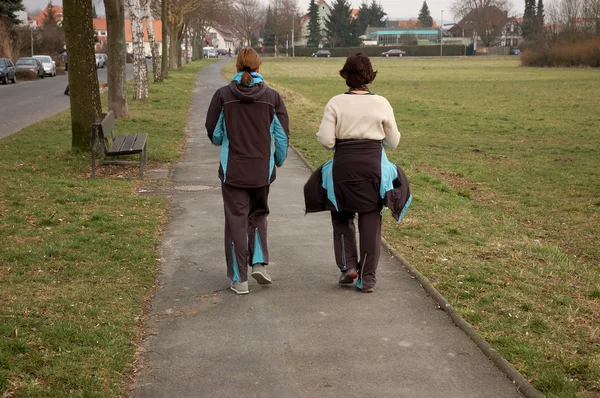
{"x": 523, "y": 386}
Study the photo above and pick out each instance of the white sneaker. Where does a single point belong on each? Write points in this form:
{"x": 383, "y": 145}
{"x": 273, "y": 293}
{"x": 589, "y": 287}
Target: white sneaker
{"x": 239, "y": 287}
{"x": 259, "y": 272}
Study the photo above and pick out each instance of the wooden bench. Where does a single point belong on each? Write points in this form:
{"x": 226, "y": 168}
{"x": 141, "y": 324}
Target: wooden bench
{"x": 106, "y": 143}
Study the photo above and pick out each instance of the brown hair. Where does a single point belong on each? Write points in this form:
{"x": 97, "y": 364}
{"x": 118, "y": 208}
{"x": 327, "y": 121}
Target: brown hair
{"x": 247, "y": 61}
{"x": 358, "y": 71}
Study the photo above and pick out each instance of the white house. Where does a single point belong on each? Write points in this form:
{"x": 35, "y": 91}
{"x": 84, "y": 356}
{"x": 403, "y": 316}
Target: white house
{"x": 222, "y": 38}
{"x": 324, "y": 12}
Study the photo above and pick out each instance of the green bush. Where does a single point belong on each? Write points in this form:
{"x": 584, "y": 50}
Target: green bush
{"x": 375, "y": 51}
{"x": 564, "y": 54}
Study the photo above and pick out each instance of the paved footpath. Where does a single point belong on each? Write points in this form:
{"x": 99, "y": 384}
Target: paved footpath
{"x": 303, "y": 336}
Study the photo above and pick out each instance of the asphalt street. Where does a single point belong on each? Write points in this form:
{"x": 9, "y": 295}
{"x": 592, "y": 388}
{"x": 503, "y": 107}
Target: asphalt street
{"x": 27, "y": 102}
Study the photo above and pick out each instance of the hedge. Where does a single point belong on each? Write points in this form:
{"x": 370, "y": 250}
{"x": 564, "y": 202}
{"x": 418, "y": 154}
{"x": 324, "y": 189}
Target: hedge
{"x": 375, "y": 51}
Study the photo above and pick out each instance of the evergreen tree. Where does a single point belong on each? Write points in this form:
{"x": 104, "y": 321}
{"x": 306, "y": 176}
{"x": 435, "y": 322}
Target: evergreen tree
{"x": 341, "y": 29}
{"x": 425, "y": 19}
{"x": 269, "y": 29}
{"x": 314, "y": 25}
{"x": 540, "y": 16}
{"x": 364, "y": 16}
{"x": 9, "y": 9}
{"x": 370, "y": 16}
{"x": 376, "y": 14}
{"x": 50, "y": 19}
{"x": 529, "y": 19}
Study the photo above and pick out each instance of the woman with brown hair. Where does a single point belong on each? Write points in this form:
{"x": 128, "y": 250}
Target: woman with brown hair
{"x": 359, "y": 179}
{"x": 250, "y": 123}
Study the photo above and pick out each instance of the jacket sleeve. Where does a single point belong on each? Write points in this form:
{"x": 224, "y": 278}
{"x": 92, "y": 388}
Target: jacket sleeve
{"x": 326, "y": 134}
{"x": 392, "y": 135}
{"x": 214, "y": 119}
{"x": 282, "y": 131}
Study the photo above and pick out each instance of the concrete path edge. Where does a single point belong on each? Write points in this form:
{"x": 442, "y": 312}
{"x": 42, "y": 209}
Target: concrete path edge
{"x": 501, "y": 363}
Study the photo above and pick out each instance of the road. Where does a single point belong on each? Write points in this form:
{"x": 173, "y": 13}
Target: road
{"x": 27, "y": 102}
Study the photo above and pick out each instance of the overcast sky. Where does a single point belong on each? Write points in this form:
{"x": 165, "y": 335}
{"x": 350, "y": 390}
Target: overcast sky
{"x": 393, "y": 8}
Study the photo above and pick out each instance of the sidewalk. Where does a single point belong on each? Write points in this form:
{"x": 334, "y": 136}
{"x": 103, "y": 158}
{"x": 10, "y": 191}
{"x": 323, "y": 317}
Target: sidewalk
{"x": 303, "y": 336}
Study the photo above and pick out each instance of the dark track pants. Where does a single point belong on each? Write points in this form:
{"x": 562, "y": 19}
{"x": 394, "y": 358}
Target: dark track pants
{"x": 344, "y": 244}
{"x": 246, "y": 211}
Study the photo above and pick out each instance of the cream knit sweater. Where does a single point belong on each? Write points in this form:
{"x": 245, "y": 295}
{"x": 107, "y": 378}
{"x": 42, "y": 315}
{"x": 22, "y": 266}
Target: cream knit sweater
{"x": 360, "y": 117}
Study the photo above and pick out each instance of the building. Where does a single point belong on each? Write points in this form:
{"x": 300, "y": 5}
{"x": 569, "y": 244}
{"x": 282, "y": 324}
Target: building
{"x": 406, "y": 24}
{"x": 102, "y": 35}
{"x": 222, "y": 38}
{"x": 385, "y": 36}
{"x": 324, "y": 12}
{"x": 497, "y": 27}
{"x": 38, "y": 20}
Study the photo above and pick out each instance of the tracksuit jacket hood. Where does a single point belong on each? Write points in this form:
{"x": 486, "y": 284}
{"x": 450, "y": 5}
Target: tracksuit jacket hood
{"x": 246, "y": 94}
{"x": 251, "y": 125}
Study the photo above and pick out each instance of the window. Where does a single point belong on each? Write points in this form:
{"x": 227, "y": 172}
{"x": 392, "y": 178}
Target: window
{"x": 512, "y": 27}
{"x": 102, "y": 33}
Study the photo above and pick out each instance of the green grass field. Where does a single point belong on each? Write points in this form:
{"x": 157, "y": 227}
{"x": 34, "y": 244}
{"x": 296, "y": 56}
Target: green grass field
{"x": 78, "y": 256}
{"x": 504, "y": 166}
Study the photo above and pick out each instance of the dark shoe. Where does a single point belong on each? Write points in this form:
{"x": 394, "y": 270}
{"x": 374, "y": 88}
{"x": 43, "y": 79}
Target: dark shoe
{"x": 360, "y": 287}
{"x": 348, "y": 276}
{"x": 259, "y": 272}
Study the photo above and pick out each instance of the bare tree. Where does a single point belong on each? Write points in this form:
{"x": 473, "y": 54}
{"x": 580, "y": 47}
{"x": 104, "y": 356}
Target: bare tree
{"x": 209, "y": 12}
{"x": 140, "y": 70}
{"x": 246, "y": 18}
{"x": 117, "y": 77}
{"x": 484, "y": 14}
{"x": 164, "y": 16}
{"x": 153, "y": 44}
{"x": 83, "y": 76}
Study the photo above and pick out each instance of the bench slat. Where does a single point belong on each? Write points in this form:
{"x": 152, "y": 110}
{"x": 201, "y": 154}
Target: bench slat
{"x": 126, "y": 145}
{"x": 140, "y": 142}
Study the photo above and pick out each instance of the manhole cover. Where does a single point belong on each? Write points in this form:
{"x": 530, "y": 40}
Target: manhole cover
{"x": 193, "y": 188}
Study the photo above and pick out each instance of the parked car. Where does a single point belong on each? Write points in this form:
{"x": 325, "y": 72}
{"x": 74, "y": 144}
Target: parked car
{"x": 515, "y": 51}
{"x": 222, "y": 51}
{"x": 100, "y": 61}
{"x": 322, "y": 53}
{"x": 48, "y": 64}
{"x": 393, "y": 53}
{"x": 7, "y": 71}
{"x": 29, "y": 67}
{"x": 210, "y": 53}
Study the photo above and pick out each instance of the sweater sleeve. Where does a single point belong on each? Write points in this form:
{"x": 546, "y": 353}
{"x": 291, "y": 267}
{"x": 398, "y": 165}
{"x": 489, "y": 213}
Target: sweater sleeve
{"x": 281, "y": 132}
{"x": 392, "y": 135}
{"x": 326, "y": 134}
{"x": 213, "y": 116}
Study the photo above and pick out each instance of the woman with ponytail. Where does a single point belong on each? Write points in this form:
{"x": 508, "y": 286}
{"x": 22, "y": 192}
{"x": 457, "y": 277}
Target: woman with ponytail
{"x": 250, "y": 123}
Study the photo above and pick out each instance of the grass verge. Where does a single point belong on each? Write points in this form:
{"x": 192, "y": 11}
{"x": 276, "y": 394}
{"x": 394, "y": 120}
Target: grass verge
{"x": 78, "y": 256}
{"x": 504, "y": 167}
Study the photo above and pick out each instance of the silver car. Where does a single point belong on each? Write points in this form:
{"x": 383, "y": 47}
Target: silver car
{"x": 100, "y": 61}
{"x": 48, "y": 64}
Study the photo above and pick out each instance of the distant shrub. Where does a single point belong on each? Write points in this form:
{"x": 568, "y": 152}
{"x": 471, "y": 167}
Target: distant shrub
{"x": 564, "y": 54}
{"x": 375, "y": 51}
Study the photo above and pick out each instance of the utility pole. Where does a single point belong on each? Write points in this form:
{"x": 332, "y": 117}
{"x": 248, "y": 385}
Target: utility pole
{"x": 31, "y": 34}
{"x": 442, "y": 36}
{"x": 293, "y": 25}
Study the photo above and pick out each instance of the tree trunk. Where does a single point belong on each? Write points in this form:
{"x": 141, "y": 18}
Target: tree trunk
{"x": 187, "y": 46}
{"x": 83, "y": 76}
{"x": 173, "y": 45}
{"x": 140, "y": 69}
{"x": 117, "y": 61}
{"x": 153, "y": 44}
{"x": 164, "y": 67}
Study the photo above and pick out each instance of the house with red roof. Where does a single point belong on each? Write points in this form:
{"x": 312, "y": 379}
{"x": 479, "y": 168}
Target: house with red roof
{"x": 102, "y": 35}
{"x": 38, "y": 20}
